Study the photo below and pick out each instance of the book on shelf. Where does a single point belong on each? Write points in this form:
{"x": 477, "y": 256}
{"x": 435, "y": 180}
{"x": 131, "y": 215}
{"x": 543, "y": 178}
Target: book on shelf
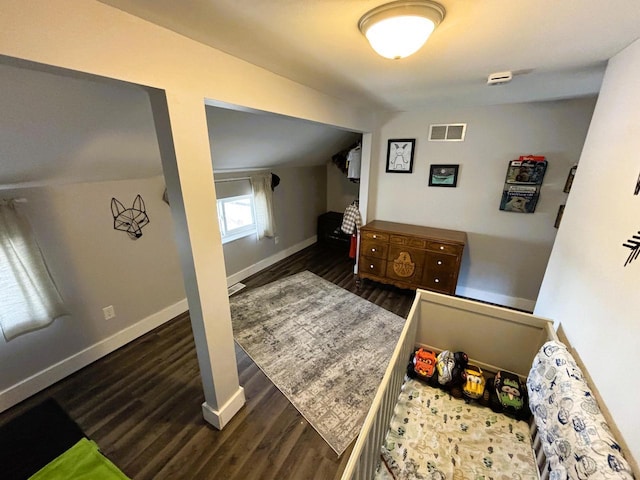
{"x": 528, "y": 169}
{"x": 520, "y": 198}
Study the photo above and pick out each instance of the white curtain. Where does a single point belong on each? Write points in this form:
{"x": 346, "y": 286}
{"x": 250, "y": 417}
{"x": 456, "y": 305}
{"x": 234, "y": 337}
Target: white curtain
{"x": 29, "y": 299}
{"x": 263, "y": 199}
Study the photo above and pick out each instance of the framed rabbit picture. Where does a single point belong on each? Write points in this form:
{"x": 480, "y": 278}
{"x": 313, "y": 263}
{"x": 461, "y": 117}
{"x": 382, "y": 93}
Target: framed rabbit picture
{"x": 400, "y": 155}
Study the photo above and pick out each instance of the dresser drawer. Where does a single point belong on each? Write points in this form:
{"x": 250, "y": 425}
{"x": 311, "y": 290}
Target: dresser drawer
{"x": 366, "y": 234}
{"x": 374, "y": 248}
{"x": 408, "y": 241}
{"x": 441, "y": 262}
{"x": 445, "y": 248}
{"x": 372, "y": 266}
{"x": 439, "y": 282}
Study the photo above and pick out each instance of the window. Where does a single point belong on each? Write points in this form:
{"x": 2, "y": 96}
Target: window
{"x": 236, "y": 217}
{"x": 29, "y": 298}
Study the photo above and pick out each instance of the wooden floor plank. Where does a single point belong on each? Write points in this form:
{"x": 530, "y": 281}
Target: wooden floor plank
{"x": 142, "y": 403}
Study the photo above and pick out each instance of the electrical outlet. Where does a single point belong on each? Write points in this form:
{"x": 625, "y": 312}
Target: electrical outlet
{"x": 276, "y": 239}
{"x": 109, "y": 312}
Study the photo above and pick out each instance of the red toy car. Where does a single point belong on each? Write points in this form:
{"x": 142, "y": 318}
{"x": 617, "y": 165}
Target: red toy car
{"x": 422, "y": 364}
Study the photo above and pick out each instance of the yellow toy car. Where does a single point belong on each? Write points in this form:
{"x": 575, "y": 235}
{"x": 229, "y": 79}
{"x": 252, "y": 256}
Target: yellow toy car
{"x": 474, "y": 382}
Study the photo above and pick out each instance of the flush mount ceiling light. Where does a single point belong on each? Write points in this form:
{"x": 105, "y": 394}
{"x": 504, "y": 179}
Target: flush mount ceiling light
{"x": 399, "y": 29}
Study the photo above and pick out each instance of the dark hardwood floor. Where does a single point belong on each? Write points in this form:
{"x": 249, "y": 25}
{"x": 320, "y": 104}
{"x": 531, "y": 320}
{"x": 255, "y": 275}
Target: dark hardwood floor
{"x": 142, "y": 403}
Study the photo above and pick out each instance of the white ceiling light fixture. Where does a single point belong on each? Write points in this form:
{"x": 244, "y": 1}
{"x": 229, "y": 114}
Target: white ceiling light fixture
{"x": 399, "y": 29}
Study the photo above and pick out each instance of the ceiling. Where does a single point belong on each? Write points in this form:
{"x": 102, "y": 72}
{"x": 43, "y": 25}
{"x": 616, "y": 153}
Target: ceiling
{"x": 59, "y": 128}
{"x": 558, "y": 47}
{"x": 240, "y": 140}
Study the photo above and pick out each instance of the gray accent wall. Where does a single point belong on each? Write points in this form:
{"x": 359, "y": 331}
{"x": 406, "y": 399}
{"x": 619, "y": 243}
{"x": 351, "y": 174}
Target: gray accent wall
{"x": 340, "y": 190}
{"x": 506, "y": 255}
{"x": 298, "y": 200}
{"x": 95, "y": 266}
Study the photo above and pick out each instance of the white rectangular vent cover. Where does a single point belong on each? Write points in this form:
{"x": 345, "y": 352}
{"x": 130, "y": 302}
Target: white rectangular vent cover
{"x": 452, "y": 132}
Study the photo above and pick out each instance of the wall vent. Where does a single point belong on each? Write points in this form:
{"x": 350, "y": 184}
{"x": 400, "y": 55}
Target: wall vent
{"x": 452, "y": 132}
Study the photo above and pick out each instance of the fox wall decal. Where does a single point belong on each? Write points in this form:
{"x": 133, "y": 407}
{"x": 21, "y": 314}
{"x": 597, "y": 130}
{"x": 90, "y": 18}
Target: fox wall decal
{"x": 130, "y": 220}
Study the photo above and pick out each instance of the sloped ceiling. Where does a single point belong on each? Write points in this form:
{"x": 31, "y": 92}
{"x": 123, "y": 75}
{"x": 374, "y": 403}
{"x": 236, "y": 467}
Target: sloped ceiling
{"x": 58, "y": 128}
{"x": 559, "y": 48}
{"x": 241, "y": 139}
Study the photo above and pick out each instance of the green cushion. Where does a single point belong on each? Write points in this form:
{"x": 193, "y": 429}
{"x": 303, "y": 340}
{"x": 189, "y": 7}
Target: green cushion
{"x": 83, "y": 461}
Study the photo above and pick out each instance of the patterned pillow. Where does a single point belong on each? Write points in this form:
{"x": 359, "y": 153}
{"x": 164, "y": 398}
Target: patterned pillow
{"x": 575, "y": 436}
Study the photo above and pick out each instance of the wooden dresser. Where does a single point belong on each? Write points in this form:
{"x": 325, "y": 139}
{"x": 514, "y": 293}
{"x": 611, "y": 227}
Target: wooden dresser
{"x": 411, "y": 256}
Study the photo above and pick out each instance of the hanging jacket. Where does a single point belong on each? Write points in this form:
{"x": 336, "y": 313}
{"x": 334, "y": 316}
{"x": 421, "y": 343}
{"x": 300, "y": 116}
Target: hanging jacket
{"x": 351, "y": 221}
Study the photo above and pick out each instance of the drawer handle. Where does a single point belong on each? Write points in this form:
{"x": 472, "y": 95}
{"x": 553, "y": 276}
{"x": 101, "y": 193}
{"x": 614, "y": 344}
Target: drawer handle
{"x": 437, "y": 280}
{"x": 373, "y": 249}
{"x": 375, "y": 236}
{"x": 441, "y": 247}
{"x": 370, "y": 266}
{"x": 439, "y": 262}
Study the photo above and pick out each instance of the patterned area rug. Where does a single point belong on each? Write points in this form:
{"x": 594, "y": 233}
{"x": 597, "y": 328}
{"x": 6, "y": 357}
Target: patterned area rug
{"x": 325, "y": 348}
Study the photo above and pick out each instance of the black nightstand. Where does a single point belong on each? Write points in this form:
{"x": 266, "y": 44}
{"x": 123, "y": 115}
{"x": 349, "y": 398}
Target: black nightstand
{"x": 329, "y": 230}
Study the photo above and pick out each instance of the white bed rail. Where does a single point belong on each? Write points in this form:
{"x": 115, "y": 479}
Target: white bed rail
{"x": 538, "y": 452}
{"x": 365, "y": 456}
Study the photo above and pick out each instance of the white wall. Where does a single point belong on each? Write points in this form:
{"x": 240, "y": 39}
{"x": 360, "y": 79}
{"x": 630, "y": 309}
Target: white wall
{"x": 586, "y": 287}
{"x": 506, "y": 254}
{"x": 93, "y": 266}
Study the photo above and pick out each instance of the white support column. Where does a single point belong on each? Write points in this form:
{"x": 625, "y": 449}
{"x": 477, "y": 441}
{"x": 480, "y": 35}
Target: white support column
{"x": 363, "y": 193}
{"x": 183, "y": 138}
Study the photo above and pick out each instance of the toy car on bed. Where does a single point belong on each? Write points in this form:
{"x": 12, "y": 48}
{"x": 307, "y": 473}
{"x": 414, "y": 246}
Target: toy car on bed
{"x": 474, "y": 384}
{"x": 422, "y": 365}
{"x": 509, "y": 395}
{"x": 450, "y": 367}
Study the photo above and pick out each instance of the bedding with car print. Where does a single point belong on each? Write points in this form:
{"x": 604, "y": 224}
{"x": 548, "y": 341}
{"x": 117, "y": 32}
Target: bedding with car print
{"x": 435, "y": 436}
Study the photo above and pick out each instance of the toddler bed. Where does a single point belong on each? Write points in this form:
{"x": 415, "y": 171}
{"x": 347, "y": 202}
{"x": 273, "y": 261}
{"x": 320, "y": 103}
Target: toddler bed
{"x": 495, "y": 338}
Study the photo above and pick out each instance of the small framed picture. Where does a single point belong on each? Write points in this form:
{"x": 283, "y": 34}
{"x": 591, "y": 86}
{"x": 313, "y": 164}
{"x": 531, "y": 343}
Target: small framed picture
{"x": 559, "y": 216}
{"x": 400, "y": 155}
{"x": 570, "y": 177}
{"x": 443, "y": 175}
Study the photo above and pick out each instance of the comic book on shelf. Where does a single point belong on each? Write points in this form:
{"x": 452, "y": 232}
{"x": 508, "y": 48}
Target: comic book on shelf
{"x": 527, "y": 169}
{"x": 520, "y": 198}
{"x": 522, "y": 184}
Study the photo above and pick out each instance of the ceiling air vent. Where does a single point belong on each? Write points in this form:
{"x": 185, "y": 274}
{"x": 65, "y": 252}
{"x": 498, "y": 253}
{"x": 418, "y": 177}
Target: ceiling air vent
{"x": 453, "y": 132}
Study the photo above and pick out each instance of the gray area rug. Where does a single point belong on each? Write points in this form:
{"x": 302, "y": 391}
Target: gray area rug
{"x": 325, "y": 349}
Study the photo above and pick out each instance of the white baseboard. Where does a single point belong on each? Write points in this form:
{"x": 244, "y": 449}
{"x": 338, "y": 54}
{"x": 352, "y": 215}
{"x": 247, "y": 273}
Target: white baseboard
{"x": 267, "y": 262}
{"x": 219, "y": 418}
{"x": 47, "y": 377}
{"x": 497, "y": 298}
